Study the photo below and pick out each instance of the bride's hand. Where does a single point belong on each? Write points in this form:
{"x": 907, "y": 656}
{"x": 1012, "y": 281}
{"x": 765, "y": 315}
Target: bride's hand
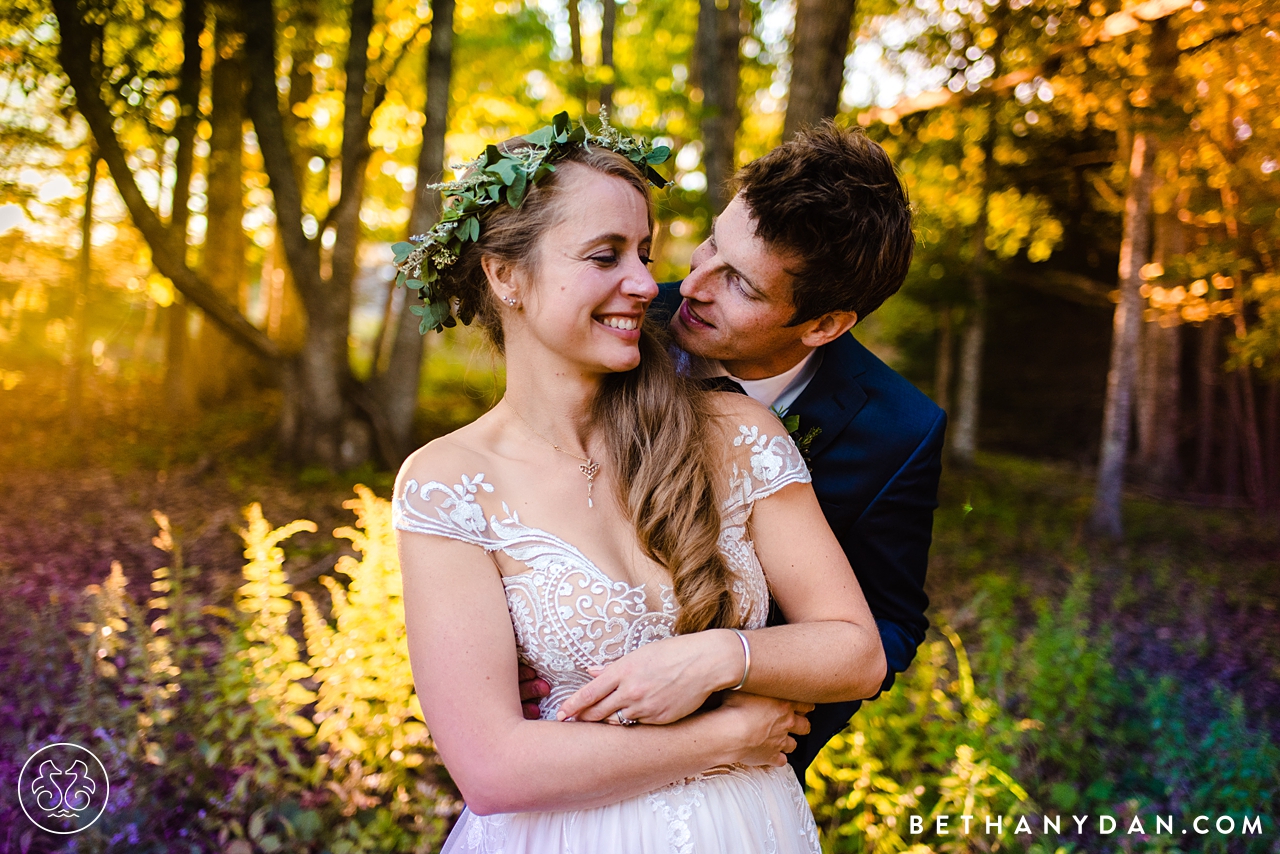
{"x": 766, "y": 726}
{"x": 661, "y": 682}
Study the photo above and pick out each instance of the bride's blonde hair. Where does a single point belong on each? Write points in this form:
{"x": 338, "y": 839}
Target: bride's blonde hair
{"x": 658, "y": 427}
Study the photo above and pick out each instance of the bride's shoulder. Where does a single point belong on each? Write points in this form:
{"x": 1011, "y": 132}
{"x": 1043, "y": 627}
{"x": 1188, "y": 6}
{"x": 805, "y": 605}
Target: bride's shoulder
{"x": 732, "y": 413}
{"x": 756, "y": 446}
{"x": 448, "y": 460}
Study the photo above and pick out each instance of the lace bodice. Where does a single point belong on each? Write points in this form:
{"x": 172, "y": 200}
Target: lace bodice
{"x": 568, "y": 614}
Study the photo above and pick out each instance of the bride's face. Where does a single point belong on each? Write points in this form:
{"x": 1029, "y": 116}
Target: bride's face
{"x": 585, "y": 294}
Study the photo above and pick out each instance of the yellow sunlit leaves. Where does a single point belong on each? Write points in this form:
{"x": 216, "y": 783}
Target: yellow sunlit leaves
{"x": 9, "y": 380}
{"x": 160, "y": 289}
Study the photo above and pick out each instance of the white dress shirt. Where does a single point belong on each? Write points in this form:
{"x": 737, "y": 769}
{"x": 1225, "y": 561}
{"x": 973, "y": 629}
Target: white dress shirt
{"x": 776, "y": 392}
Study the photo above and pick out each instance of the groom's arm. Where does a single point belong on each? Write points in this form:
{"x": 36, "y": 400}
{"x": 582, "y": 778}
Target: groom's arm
{"x": 888, "y": 547}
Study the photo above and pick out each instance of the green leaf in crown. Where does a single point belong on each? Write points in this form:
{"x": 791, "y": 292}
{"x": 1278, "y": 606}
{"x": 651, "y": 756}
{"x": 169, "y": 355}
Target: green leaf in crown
{"x": 497, "y": 177}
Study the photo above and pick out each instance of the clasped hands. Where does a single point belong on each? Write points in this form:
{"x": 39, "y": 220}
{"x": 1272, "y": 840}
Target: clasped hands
{"x": 659, "y": 683}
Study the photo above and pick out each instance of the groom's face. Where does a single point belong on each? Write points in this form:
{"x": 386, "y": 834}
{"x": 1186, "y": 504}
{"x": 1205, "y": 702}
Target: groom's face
{"x": 737, "y": 300}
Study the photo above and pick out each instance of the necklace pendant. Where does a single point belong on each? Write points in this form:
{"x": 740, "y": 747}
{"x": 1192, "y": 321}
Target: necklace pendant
{"x": 589, "y": 469}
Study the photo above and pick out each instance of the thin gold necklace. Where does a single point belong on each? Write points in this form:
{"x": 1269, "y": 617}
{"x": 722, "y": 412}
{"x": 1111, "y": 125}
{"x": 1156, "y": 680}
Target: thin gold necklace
{"x": 588, "y": 468}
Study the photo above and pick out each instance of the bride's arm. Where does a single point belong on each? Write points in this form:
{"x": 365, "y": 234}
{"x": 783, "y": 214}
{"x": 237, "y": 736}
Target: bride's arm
{"x": 463, "y": 653}
{"x": 829, "y": 650}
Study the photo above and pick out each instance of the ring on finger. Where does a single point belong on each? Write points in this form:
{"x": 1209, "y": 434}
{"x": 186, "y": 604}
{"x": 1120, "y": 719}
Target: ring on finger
{"x": 625, "y": 721}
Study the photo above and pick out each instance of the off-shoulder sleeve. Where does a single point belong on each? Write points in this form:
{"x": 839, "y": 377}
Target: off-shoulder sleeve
{"x": 446, "y": 511}
{"x": 765, "y": 460}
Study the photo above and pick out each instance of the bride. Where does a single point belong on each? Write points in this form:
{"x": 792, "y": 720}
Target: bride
{"x": 618, "y": 531}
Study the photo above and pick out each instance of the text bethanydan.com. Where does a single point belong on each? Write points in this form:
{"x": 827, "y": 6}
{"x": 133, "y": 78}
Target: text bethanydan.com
{"x": 1105, "y": 825}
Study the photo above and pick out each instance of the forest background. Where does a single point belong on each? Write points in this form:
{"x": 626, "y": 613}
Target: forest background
{"x": 198, "y": 331}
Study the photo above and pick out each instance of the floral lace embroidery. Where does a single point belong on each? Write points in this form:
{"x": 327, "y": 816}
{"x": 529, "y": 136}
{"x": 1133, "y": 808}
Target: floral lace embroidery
{"x": 676, "y": 804}
{"x": 773, "y": 462}
{"x": 487, "y": 833}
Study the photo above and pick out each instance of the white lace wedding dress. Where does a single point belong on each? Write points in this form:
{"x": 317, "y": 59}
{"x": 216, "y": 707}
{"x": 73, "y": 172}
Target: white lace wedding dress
{"x": 569, "y": 615}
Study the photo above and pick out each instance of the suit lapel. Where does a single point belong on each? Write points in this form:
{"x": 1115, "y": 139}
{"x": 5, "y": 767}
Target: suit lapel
{"x": 834, "y": 396}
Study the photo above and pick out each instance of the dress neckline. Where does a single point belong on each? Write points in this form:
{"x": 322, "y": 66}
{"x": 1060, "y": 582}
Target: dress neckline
{"x": 513, "y": 522}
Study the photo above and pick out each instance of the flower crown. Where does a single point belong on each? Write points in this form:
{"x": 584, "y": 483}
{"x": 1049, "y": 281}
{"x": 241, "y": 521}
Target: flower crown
{"x": 495, "y": 177}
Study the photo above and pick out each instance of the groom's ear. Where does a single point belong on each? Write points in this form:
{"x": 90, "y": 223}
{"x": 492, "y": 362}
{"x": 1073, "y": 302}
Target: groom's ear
{"x": 828, "y": 327}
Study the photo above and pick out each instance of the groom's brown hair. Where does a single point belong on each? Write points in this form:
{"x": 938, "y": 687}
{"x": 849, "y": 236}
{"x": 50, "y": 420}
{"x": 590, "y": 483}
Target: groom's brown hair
{"x": 831, "y": 196}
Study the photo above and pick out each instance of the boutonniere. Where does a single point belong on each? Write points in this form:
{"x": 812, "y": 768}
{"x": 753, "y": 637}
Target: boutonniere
{"x": 803, "y": 439}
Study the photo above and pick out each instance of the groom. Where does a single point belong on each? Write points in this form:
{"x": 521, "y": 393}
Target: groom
{"x": 817, "y": 236}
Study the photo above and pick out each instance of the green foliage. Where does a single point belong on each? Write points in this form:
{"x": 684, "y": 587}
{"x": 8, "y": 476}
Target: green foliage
{"x": 930, "y": 746}
{"x": 1060, "y": 675}
{"x": 1229, "y": 768}
{"x": 378, "y": 752}
{"x": 230, "y": 748}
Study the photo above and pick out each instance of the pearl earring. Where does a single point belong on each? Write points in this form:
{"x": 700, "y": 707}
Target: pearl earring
{"x": 511, "y": 301}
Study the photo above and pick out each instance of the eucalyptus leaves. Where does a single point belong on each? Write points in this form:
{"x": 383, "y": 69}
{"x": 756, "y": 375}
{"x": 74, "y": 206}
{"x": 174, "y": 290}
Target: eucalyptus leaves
{"x": 499, "y": 176}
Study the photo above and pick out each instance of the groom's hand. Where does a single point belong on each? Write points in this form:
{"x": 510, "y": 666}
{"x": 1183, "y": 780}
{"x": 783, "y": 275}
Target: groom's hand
{"x": 532, "y": 690}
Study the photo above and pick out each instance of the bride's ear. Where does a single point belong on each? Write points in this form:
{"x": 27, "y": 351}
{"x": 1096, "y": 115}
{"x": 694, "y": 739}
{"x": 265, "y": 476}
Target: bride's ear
{"x": 503, "y": 280}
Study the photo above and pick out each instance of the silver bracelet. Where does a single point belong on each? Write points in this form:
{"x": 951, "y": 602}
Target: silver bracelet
{"x": 746, "y": 659}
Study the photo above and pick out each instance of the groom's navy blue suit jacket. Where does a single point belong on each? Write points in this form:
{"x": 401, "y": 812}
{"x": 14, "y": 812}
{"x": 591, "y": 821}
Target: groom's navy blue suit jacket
{"x": 875, "y": 470}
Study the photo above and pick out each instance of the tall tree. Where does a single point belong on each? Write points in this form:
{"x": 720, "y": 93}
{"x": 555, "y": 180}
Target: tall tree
{"x": 716, "y": 57}
{"x": 321, "y": 371}
{"x": 1208, "y": 360}
{"x": 79, "y": 308}
{"x": 964, "y": 435}
{"x": 397, "y": 387}
{"x": 1105, "y": 516}
{"x": 180, "y": 398}
{"x": 819, "y": 45}
{"x": 608, "y": 28}
{"x": 222, "y": 362}
{"x": 1135, "y": 253}
{"x": 1159, "y": 381}
{"x": 578, "y": 76}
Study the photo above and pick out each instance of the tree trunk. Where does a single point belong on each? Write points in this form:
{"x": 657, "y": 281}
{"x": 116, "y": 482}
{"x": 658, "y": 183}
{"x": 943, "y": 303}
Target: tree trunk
{"x": 717, "y": 73}
{"x": 224, "y": 366}
{"x": 819, "y": 45}
{"x": 1144, "y": 392}
{"x": 945, "y": 364}
{"x": 1255, "y": 478}
{"x": 179, "y": 391}
{"x": 1159, "y": 388}
{"x": 1207, "y": 371}
{"x": 608, "y": 25}
{"x": 1105, "y": 519}
{"x": 79, "y": 313}
{"x": 397, "y": 388}
{"x": 964, "y": 436}
{"x": 1231, "y": 447}
{"x": 323, "y": 433}
{"x": 1273, "y": 442}
{"x": 1160, "y": 382}
{"x": 578, "y": 81}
